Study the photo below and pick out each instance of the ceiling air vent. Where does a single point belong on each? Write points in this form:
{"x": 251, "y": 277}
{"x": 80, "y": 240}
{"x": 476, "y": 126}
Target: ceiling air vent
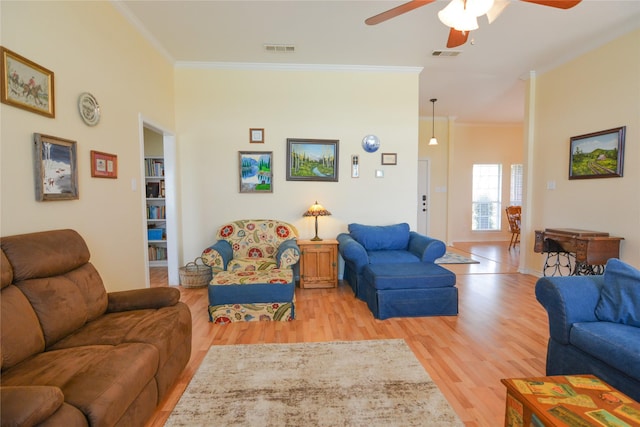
{"x": 446, "y": 53}
{"x": 281, "y": 48}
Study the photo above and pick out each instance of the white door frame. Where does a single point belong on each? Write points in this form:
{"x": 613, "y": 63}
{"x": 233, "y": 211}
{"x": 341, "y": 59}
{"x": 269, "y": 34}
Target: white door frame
{"x": 424, "y": 176}
{"x": 171, "y": 206}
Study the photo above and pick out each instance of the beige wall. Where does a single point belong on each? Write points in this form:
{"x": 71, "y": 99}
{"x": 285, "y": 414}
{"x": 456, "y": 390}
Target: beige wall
{"x": 216, "y": 107}
{"x": 90, "y": 47}
{"x": 597, "y": 91}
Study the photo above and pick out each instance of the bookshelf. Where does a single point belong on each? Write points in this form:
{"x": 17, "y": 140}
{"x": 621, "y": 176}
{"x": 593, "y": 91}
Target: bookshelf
{"x": 156, "y": 210}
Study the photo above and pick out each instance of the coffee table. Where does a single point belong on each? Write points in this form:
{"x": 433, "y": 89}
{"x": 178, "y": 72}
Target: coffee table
{"x": 571, "y": 400}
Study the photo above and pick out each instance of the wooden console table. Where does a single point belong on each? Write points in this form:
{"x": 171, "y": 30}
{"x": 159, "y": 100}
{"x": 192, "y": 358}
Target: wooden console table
{"x": 575, "y": 400}
{"x": 591, "y": 249}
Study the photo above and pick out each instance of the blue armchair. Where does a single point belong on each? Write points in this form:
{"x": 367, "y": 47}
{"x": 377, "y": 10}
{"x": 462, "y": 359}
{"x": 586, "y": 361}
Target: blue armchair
{"x": 370, "y": 244}
{"x": 594, "y": 325}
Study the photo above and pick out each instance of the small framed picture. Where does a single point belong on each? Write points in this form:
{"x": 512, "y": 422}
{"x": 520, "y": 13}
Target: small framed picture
{"x": 389, "y": 159}
{"x": 255, "y": 171}
{"x": 256, "y": 136}
{"x": 55, "y": 168}
{"x": 104, "y": 165}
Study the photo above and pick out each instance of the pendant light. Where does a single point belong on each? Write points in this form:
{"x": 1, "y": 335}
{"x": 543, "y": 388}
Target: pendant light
{"x": 433, "y": 140}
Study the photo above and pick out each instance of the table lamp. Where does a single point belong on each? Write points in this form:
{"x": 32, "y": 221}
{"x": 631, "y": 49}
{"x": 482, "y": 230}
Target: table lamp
{"x": 316, "y": 210}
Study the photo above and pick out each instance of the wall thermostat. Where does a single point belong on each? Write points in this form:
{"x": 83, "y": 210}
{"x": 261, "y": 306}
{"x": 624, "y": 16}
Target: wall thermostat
{"x": 355, "y": 168}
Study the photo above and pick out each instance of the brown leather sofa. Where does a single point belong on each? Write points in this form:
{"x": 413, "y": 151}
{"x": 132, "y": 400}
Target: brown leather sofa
{"x": 73, "y": 354}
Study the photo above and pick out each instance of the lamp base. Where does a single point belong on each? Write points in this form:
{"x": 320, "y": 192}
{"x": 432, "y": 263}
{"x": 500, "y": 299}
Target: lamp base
{"x": 316, "y": 239}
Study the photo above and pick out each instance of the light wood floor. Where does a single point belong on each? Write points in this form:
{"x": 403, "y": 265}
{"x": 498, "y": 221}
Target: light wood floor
{"x": 501, "y": 332}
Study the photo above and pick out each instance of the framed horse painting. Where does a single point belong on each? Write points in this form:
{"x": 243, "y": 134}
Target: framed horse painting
{"x": 25, "y": 84}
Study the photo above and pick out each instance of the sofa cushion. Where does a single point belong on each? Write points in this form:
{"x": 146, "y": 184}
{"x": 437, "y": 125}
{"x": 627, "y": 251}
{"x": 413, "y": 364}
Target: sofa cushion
{"x": 620, "y": 297}
{"x": 29, "y": 405}
{"x": 44, "y": 254}
{"x": 21, "y": 333}
{"x": 65, "y": 303}
{"x": 612, "y": 343}
{"x": 6, "y": 271}
{"x": 391, "y": 257}
{"x": 381, "y": 237}
{"x": 102, "y": 381}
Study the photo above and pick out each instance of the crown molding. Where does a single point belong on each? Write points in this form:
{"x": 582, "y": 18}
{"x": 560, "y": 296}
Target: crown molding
{"x": 295, "y": 67}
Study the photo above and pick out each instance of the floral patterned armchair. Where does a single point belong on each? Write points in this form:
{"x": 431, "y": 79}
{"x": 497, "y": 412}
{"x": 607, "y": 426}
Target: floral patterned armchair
{"x": 252, "y": 245}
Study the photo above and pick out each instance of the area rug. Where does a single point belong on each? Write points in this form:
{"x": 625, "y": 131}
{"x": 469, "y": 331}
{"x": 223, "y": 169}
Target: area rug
{"x": 453, "y": 258}
{"x": 357, "y": 383}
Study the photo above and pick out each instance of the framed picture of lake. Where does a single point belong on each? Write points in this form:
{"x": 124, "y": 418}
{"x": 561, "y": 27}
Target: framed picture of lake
{"x": 55, "y": 168}
{"x": 312, "y": 159}
{"x": 597, "y": 154}
{"x": 256, "y": 171}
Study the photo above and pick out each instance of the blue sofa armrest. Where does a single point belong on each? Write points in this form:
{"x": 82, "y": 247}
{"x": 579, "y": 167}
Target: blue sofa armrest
{"x": 426, "y": 248}
{"x": 288, "y": 254}
{"x": 568, "y": 300}
{"x": 218, "y": 255}
{"x": 352, "y": 251}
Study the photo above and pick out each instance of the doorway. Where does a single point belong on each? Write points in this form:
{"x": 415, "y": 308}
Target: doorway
{"x": 166, "y": 141}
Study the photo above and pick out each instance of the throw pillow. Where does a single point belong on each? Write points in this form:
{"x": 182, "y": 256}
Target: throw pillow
{"x": 381, "y": 237}
{"x": 620, "y": 297}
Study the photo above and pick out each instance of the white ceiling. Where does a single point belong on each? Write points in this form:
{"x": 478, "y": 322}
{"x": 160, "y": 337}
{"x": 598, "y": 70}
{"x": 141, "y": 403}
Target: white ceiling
{"x": 483, "y": 84}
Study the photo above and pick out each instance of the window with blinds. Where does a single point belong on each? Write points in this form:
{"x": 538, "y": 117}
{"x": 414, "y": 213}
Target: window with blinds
{"x": 486, "y": 203}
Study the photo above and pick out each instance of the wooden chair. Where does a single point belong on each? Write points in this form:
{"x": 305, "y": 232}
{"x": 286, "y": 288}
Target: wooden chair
{"x": 514, "y": 215}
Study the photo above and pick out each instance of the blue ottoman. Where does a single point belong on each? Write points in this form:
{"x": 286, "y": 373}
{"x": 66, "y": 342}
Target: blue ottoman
{"x": 410, "y": 290}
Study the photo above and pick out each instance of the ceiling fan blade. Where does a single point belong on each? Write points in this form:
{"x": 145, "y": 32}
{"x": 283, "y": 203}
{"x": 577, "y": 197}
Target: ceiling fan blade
{"x": 457, "y": 38}
{"x": 398, "y": 10}
{"x": 560, "y": 4}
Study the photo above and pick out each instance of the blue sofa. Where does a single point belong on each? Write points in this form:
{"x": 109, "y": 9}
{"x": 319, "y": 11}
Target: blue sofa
{"x": 594, "y": 325}
{"x": 389, "y": 244}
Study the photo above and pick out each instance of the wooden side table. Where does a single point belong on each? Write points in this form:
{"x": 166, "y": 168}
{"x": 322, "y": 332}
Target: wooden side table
{"x": 571, "y": 400}
{"x": 318, "y": 263}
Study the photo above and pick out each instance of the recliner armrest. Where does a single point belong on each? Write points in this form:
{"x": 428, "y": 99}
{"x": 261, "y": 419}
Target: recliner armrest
{"x": 426, "y": 248}
{"x": 140, "y": 299}
{"x": 568, "y": 300}
{"x": 218, "y": 255}
{"x": 352, "y": 251}
{"x": 288, "y": 254}
{"x": 29, "y": 405}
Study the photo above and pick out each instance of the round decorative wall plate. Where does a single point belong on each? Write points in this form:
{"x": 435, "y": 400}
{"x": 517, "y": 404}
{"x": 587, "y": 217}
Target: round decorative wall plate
{"x": 371, "y": 143}
{"x": 89, "y": 109}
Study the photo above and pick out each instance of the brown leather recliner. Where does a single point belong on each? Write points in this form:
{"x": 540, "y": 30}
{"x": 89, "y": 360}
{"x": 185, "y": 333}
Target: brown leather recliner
{"x": 73, "y": 354}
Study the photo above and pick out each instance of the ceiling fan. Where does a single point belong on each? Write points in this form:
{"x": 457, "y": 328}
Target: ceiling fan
{"x": 461, "y": 15}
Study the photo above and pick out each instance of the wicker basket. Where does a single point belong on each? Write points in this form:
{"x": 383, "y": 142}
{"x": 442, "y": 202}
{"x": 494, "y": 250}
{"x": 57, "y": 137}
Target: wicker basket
{"x": 194, "y": 275}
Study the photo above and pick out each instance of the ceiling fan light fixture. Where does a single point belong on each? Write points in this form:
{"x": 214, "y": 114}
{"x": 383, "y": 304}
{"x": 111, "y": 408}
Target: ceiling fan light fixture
{"x": 455, "y": 15}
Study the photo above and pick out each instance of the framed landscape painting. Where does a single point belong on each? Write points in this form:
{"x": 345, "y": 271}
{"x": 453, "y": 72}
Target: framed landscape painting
{"x": 256, "y": 171}
{"x": 597, "y": 154}
{"x": 312, "y": 159}
{"x": 55, "y": 168}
